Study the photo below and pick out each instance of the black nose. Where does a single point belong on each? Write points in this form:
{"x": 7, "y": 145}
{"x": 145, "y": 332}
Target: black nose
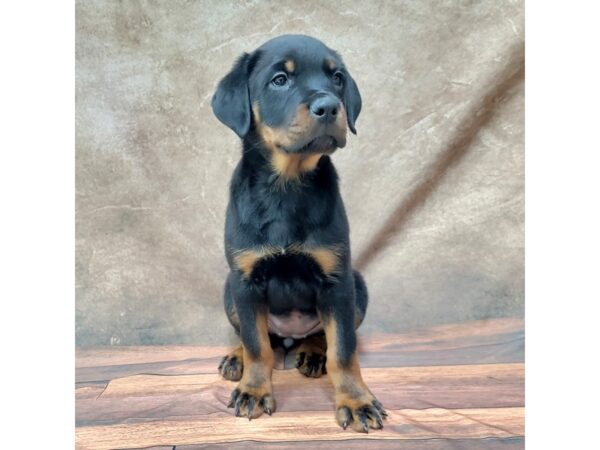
{"x": 325, "y": 108}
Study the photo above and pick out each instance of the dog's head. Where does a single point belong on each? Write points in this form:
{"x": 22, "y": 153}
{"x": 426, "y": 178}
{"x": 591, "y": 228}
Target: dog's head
{"x": 295, "y": 92}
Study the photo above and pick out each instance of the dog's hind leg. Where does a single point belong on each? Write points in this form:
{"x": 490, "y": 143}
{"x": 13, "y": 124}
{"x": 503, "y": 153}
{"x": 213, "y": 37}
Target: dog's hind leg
{"x": 232, "y": 364}
{"x": 361, "y": 299}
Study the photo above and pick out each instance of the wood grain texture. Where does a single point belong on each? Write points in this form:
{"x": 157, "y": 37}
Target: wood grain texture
{"x": 149, "y": 397}
{"x": 285, "y": 426}
{"x": 372, "y": 444}
{"x": 467, "y": 393}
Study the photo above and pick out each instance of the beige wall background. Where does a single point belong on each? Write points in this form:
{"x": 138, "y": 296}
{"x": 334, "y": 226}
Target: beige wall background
{"x": 433, "y": 183}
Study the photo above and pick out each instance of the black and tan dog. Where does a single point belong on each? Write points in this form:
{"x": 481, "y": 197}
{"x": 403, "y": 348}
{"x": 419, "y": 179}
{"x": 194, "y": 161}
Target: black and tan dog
{"x": 286, "y": 232}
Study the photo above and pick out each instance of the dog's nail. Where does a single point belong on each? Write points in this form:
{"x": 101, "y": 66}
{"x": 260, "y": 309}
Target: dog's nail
{"x": 363, "y": 422}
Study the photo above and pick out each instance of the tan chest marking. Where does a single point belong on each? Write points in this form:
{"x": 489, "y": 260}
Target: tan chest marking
{"x": 245, "y": 260}
{"x": 291, "y": 166}
{"x": 328, "y": 258}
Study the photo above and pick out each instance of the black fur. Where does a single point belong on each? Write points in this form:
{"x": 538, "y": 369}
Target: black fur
{"x": 263, "y": 211}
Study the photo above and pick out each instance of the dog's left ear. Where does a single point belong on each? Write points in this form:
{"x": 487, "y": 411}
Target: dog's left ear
{"x": 231, "y": 102}
{"x": 352, "y": 102}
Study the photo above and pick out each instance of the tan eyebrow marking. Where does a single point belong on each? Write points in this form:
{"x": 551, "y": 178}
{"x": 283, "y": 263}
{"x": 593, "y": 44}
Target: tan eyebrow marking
{"x": 290, "y": 65}
{"x": 330, "y": 63}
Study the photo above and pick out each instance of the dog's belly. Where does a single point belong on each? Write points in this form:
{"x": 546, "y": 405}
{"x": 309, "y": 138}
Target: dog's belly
{"x": 296, "y": 324}
{"x": 292, "y": 281}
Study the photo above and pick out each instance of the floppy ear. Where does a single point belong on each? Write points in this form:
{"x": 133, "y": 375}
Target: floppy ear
{"x": 231, "y": 102}
{"x": 352, "y": 102}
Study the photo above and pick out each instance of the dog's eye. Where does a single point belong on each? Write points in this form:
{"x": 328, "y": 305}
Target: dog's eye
{"x": 338, "y": 78}
{"x": 280, "y": 80}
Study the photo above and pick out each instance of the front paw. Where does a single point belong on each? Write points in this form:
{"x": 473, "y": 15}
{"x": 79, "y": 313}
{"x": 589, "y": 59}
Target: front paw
{"x": 251, "y": 402}
{"x": 361, "y": 413}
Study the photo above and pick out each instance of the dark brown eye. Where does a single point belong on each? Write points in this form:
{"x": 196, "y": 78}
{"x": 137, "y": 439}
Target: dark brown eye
{"x": 338, "y": 79}
{"x": 280, "y": 80}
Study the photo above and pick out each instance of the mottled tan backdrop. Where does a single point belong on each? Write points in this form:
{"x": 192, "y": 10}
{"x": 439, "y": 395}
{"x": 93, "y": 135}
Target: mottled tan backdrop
{"x": 433, "y": 183}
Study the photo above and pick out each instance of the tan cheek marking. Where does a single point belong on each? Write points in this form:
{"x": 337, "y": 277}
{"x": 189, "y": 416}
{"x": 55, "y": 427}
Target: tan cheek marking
{"x": 291, "y": 166}
{"x": 303, "y": 121}
{"x": 272, "y": 137}
{"x": 286, "y": 165}
{"x": 269, "y": 136}
{"x": 290, "y": 66}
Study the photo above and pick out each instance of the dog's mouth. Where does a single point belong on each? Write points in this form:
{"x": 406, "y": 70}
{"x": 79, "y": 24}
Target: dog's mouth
{"x": 321, "y": 144}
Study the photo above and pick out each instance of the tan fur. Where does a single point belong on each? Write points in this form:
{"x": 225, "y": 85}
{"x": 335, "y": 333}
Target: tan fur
{"x": 310, "y": 162}
{"x": 328, "y": 258}
{"x": 330, "y": 63}
{"x": 313, "y": 344}
{"x": 238, "y": 352}
{"x": 290, "y": 66}
{"x": 277, "y": 138}
{"x": 246, "y": 261}
{"x": 291, "y": 166}
{"x": 288, "y": 166}
{"x": 350, "y": 389}
{"x": 231, "y": 367}
{"x": 340, "y": 121}
{"x": 256, "y": 378}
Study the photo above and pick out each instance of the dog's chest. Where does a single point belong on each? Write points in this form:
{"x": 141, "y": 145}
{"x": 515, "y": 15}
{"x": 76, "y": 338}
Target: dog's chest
{"x": 288, "y": 217}
{"x": 295, "y": 263}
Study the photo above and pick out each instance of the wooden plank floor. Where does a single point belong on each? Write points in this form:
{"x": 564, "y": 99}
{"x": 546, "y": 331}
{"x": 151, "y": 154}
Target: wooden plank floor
{"x": 448, "y": 387}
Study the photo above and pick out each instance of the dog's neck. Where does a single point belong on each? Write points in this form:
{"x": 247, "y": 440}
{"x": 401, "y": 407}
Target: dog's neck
{"x": 284, "y": 168}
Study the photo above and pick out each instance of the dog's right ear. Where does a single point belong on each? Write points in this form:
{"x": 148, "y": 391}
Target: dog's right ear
{"x": 231, "y": 102}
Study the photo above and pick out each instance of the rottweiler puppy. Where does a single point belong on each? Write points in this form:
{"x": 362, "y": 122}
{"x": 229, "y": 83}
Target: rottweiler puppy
{"x": 286, "y": 231}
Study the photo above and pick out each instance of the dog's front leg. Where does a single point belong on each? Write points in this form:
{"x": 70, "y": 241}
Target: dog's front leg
{"x": 254, "y": 393}
{"x": 355, "y": 404}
